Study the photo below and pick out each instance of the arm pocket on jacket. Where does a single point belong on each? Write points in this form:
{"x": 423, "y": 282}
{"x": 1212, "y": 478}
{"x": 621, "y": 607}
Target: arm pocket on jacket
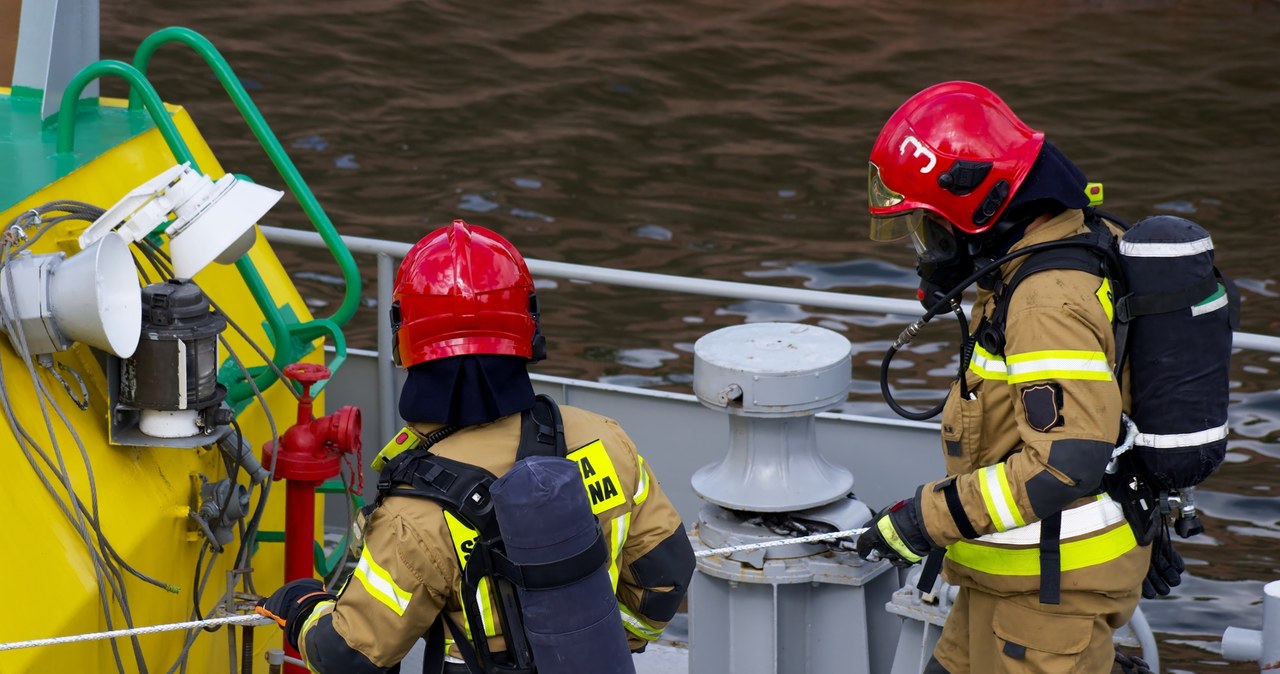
{"x": 962, "y": 428}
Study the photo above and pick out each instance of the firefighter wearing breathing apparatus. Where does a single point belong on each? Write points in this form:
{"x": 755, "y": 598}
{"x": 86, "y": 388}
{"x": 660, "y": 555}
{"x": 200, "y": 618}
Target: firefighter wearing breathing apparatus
{"x": 1046, "y": 565}
{"x": 483, "y": 524}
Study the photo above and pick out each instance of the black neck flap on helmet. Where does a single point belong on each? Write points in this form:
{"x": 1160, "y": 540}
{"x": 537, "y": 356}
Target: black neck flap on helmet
{"x": 466, "y": 390}
{"x": 1053, "y": 185}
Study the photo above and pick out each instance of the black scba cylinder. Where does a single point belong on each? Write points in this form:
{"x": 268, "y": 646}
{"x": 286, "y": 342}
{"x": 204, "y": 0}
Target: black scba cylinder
{"x": 1183, "y": 313}
{"x": 567, "y": 602}
{"x": 176, "y": 364}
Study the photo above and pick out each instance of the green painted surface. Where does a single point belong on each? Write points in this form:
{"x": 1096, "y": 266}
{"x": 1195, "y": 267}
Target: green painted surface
{"x": 28, "y": 149}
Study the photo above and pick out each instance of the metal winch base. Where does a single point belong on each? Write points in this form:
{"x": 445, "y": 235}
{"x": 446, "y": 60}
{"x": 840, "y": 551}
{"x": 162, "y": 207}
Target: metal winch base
{"x": 770, "y": 379}
{"x": 784, "y": 612}
{"x": 792, "y": 608}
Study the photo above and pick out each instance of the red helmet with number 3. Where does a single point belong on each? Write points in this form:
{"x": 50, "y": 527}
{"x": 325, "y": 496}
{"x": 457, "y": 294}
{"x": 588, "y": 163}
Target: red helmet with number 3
{"x": 464, "y": 290}
{"x": 954, "y": 152}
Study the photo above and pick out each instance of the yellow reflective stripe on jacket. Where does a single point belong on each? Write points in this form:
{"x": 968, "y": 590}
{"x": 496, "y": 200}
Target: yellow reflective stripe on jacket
{"x": 997, "y": 495}
{"x": 642, "y": 486}
{"x": 485, "y": 599}
{"x": 378, "y": 583}
{"x": 1058, "y": 364}
{"x": 1026, "y": 561}
{"x": 987, "y": 365}
{"x": 890, "y": 534}
{"x": 637, "y": 625}
{"x": 317, "y": 612}
{"x": 617, "y": 538}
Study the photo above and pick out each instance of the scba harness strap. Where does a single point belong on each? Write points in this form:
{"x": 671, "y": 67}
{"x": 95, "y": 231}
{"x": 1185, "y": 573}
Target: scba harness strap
{"x": 463, "y": 491}
{"x": 1096, "y": 256}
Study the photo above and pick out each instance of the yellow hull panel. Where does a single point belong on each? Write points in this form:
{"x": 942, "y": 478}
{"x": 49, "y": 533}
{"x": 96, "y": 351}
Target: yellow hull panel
{"x": 142, "y": 493}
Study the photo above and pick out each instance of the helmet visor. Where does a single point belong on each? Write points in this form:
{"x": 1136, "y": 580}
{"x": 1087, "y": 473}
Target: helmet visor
{"x": 933, "y": 239}
{"x": 879, "y": 196}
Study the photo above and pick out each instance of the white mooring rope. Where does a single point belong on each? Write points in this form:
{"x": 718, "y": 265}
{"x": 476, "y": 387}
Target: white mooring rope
{"x": 814, "y": 538}
{"x": 255, "y": 620}
{"x": 249, "y": 619}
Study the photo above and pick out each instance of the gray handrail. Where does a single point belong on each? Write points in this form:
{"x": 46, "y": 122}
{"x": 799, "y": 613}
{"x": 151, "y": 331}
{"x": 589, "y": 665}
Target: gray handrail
{"x": 682, "y": 284}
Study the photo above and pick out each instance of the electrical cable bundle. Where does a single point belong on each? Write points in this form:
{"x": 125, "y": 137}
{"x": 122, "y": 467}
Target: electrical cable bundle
{"x": 50, "y": 466}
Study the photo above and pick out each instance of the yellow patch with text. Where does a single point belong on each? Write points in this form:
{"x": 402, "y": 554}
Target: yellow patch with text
{"x": 1106, "y": 299}
{"x": 604, "y": 489}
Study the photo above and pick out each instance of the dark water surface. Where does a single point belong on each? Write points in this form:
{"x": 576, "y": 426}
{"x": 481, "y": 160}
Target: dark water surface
{"x": 729, "y": 140}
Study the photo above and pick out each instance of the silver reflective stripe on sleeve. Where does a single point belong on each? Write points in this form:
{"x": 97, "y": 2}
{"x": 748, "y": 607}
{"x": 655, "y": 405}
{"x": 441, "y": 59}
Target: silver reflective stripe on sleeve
{"x": 1093, "y": 516}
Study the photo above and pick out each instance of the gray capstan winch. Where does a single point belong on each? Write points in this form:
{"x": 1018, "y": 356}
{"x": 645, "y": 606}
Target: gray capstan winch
{"x": 792, "y": 608}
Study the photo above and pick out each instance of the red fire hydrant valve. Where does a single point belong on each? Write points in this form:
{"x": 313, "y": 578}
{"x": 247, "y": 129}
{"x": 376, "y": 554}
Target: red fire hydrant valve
{"x": 312, "y": 449}
{"x": 309, "y": 453}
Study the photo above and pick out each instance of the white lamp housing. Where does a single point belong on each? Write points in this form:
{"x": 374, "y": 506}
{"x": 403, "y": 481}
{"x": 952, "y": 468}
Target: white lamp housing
{"x": 211, "y": 220}
{"x": 92, "y": 297}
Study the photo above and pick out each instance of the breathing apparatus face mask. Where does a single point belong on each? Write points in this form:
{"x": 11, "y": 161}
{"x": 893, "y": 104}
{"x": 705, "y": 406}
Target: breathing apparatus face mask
{"x": 943, "y": 259}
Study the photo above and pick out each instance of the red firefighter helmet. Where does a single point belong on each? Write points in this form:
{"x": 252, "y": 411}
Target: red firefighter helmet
{"x": 955, "y": 152}
{"x": 463, "y": 290}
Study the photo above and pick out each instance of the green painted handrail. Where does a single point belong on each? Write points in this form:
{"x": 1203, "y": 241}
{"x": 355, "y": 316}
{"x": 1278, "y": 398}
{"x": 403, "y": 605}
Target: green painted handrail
{"x": 139, "y": 85}
{"x": 285, "y": 352}
{"x": 142, "y": 91}
{"x": 267, "y": 138}
{"x": 326, "y": 565}
{"x": 286, "y": 337}
{"x": 322, "y": 564}
{"x": 290, "y": 340}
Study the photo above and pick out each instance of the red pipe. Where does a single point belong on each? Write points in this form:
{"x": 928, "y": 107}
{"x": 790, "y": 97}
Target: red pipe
{"x": 309, "y": 453}
{"x": 299, "y": 529}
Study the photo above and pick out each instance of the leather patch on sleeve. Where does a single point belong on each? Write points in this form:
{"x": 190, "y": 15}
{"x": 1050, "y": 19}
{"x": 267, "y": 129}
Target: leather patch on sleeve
{"x": 1042, "y": 404}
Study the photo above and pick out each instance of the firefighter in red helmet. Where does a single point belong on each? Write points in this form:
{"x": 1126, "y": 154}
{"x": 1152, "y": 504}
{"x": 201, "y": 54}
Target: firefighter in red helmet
{"x": 1046, "y": 564}
{"x": 466, "y": 324}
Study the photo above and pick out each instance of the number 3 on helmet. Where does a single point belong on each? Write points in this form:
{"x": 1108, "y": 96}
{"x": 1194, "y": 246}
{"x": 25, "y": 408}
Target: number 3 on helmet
{"x": 955, "y": 152}
{"x": 464, "y": 290}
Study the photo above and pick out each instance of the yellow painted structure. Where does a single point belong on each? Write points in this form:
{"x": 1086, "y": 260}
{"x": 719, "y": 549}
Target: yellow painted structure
{"x": 142, "y": 493}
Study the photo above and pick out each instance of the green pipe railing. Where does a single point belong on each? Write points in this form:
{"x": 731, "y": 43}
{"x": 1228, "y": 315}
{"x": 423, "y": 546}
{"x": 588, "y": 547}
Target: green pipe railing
{"x": 267, "y": 138}
{"x": 142, "y": 90}
{"x": 323, "y": 564}
{"x": 285, "y": 350}
{"x": 287, "y": 347}
{"x": 138, "y": 84}
{"x": 289, "y": 339}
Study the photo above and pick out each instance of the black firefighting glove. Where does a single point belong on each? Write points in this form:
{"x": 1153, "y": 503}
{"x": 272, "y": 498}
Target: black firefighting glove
{"x": 292, "y": 604}
{"x": 896, "y": 535}
{"x": 1166, "y": 567}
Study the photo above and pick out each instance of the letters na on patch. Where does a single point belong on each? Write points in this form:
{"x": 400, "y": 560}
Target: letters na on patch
{"x": 1042, "y": 404}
